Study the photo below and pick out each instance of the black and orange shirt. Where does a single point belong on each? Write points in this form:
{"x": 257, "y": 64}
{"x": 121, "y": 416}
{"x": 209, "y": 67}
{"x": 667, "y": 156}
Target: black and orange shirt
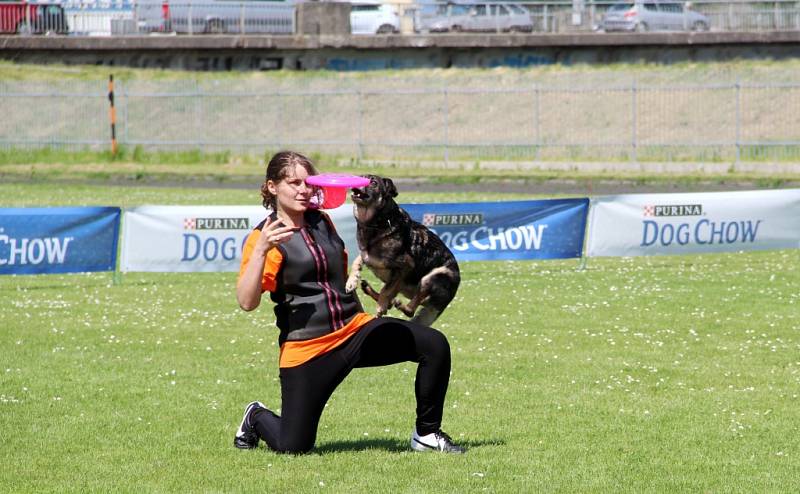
{"x": 305, "y": 277}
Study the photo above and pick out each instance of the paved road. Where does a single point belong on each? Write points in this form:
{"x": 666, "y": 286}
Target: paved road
{"x": 594, "y": 187}
{"x": 542, "y": 187}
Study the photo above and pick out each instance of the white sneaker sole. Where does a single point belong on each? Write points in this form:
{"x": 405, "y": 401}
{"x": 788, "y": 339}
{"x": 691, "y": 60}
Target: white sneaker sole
{"x": 422, "y": 447}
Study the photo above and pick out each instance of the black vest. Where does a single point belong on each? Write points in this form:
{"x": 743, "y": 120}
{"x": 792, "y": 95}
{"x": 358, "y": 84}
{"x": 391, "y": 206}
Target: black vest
{"x": 310, "y": 297}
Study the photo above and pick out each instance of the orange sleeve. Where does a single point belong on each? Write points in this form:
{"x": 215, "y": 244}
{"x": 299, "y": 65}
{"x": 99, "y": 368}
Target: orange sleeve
{"x": 272, "y": 265}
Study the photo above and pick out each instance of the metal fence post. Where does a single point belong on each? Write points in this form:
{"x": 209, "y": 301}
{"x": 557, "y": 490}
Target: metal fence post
{"x": 124, "y": 113}
{"x": 279, "y": 129}
{"x": 776, "y": 17}
{"x": 191, "y": 24}
{"x": 136, "y": 15}
{"x": 730, "y": 15}
{"x": 544, "y": 19}
{"x": 360, "y": 125}
{"x": 446, "y": 128}
{"x": 28, "y": 18}
{"x": 634, "y": 156}
{"x": 198, "y": 121}
{"x": 241, "y": 18}
{"x": 738, "y": 122}
{"x": 536, "y": 122}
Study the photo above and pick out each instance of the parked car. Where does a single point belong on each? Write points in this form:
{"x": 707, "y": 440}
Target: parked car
{"x": 32, "y": 18}
{"x": 644, "y": 16}
{"x": 216, "y": 16}
{"x": 374, "y": 18}
{"x": 488, "y": 17}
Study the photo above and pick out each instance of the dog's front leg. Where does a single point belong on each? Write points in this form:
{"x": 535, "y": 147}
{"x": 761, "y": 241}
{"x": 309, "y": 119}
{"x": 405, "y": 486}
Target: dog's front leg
{"x": 355, "y": 274}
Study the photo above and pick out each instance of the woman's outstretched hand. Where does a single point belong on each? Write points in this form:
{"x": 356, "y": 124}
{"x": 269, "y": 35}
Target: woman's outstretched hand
{"x": 273, "y": 233}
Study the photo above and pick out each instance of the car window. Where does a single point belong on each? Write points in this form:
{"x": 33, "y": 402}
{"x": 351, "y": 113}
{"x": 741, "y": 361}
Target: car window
{"x": 650, "y": 6}
{"x": 515, "y": 9}
{"x": 459, "y": 10}
{"x": 364, "y": 8}
{"x": 480, "y": 10}
{"x": 674, "y": 8}
{"x": 621, "y": 6}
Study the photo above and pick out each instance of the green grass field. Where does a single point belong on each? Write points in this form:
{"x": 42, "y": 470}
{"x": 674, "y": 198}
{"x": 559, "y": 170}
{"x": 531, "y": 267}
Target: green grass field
{"x": 665, "y": 374}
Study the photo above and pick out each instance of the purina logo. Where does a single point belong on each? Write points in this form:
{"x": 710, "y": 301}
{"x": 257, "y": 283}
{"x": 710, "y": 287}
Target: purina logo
{"x": 674, "y": 210}
{"x": 216, "y": 224}
{"x": 430, "y": 219}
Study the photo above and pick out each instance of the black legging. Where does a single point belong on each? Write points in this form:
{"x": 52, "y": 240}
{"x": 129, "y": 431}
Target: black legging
{"x": 306, "y": 388}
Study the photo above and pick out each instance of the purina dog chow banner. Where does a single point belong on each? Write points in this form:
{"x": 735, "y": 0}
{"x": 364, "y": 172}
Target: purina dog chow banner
{"x": 200, "y": 238}
{"x": 545, "y": 229}
{"x": 58, "y": 240}
{"x": 651, "y": 224}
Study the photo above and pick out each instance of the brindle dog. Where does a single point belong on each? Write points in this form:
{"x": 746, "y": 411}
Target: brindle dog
{"x": 405, "y": 255}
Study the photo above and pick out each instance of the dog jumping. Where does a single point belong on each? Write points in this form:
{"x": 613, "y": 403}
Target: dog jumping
{"x": 405, "y": 255}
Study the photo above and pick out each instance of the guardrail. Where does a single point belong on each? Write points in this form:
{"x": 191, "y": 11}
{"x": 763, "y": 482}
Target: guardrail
{"x": 125, "y": 17}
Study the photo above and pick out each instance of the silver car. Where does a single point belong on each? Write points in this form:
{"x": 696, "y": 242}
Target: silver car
{"x": 644, "y": 16}
{"x": 482, "y": 17}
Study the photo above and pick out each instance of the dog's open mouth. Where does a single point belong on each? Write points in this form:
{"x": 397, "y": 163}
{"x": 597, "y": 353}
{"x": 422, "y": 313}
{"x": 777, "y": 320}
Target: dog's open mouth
{"x": 359, "y": 194}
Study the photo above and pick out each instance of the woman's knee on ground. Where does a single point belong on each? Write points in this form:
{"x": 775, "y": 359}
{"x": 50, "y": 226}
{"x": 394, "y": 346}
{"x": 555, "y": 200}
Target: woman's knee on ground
{"x": 296, "y": 447}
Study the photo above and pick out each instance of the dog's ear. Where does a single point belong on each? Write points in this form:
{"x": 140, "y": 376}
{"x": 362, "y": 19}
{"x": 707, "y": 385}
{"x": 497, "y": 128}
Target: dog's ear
{"x": 388, "y": 185}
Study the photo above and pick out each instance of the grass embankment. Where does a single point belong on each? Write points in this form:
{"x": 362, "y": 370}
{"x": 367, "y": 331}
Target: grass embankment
{"x": 675, "y": 109}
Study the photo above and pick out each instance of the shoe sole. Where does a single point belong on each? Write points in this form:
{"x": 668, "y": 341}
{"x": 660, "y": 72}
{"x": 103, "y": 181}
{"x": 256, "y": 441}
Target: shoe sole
{"x": 421, "y": 447}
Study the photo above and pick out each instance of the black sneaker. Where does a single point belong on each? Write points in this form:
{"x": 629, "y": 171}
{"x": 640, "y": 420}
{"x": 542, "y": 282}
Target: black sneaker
{"x": 246, "y": 436}
{"x": 435, "y": 441}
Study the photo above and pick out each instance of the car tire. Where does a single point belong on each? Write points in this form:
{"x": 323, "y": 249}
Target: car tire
{"x": 641, "y": 27}
{"x": 215, "y": 26}
{"x": 457, "y": 28}
{"x": 699, "y": 26}
{"x": 386, "y": 29}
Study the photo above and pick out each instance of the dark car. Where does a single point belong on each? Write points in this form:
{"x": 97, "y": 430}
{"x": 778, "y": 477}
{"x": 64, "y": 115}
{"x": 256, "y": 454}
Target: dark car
{"x": 32, "y": 18}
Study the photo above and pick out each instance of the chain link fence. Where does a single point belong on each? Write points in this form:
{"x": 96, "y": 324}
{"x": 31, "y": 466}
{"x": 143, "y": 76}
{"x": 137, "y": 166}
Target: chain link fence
{"x": 727, "y": 122}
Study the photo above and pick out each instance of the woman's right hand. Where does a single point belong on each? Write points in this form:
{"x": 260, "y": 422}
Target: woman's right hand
{"x": 273, "y": 233}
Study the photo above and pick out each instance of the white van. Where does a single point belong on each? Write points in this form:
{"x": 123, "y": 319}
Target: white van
{"x": 374, "y": 18}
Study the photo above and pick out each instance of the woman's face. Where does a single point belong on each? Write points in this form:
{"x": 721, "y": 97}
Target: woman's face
{"x": 292, "y": 194}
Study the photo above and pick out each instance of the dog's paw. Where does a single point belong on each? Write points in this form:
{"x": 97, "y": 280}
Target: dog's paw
{"x": 352, "y": 283}
{"x": 380, "y": 313}
{"x": 397, "y": 303}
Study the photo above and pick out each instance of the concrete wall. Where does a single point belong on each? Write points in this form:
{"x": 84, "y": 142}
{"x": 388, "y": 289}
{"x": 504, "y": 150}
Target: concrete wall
{"x": 346, "y": 52}
{"x": 330, "y": 18}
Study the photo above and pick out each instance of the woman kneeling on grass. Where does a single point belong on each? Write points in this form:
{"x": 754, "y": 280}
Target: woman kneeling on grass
{"x": 297, "y": 256}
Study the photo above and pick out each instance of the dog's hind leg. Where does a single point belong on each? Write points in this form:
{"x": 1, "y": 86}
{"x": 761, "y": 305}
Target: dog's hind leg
{"x": 387, "y": 295}
{"x": 367, "y": 288}
{"x": 411, "y": 307}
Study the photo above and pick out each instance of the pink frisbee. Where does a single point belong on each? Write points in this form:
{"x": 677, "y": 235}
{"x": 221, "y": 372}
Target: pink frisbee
{"x": 337, "y": 180}
{"x": 332, "y": 188}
